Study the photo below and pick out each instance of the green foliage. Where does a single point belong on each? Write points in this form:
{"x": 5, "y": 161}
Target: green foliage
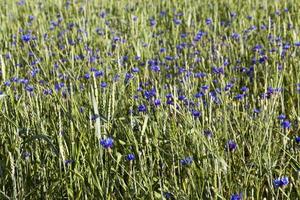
{"x": 50, "y": 144}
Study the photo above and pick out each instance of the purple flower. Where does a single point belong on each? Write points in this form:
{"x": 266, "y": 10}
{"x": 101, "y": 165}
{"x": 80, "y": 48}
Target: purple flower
{"x": 107, "y": 143}
{"x": 130, "y": 157}
{"x": 69, "y": 162}
{"x": 196, "y": 113}
{"x": 177, "y": 21}
{"x": 155, "y": 68}
{"x": 208, "y": 133}
{"x": 186, "y": 161}
{"x": 103, "y": 84}
{"x": 281, "y": 117}
{"x": 157, "y": 102}
{"x": 208, "y": 21}
{"x": 218, "y": 70}
{"x": 87, "y": 76}
{"x": 29, "y": 88}
{"x": 285, "y": 124}
{"x": 228, "y": 86}
{"x": 26, "y": 37}
{"x": 239, "y": 96}
{"x": 256, "y": 110}
{"x": 152, "y": 22}
{"x": 98, "y": 73}
{"x": 235, "y": 36}
{"x": 236, "y": 197}
{"x": 142, "y": 108}
{"x": 26, "y": 155}
{"x": 280, "y": 182}
{"x": 168, "y": 195}
{"x": 297, "y": 139}
{"x": 244, "y": 89}
{"x": 231, "y": 145}
{"x": 135, "y": 70}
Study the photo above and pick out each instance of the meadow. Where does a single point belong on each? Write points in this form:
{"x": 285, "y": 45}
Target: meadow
{"x": 158, "y": 99}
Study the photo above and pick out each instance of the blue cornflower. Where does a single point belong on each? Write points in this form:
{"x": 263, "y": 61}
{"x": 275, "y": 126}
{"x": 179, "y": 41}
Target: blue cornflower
{"x": 87, "y": 76}
{"x": 208, "y": 21}
{"x": 168, "y": 195}
{"x": 107, "y": 143}
{"x": 29, "y": 88}
{"x": 98, "y": 73}
{"x": 199, "y": 94}
{"x": 103, "y": 84}
{"x": 233, "y": 14}
{"x": 286, "y": 124}
{"x": 23, "y": 81}
{"x": 142, "y": 108}
{"x": 235, "y": 36}
{"x": 263, "y": 59}
{"x": 58, "y": 86}
{"x": 256, "y": 110}
{"x": 135, "y": 70}
{"x": 187, "y": 160}
{"x": 297, "y": 139}
{"x": 168, "y": 96}
{"x": 231, "y": 145}
{"x": 208, "y": 133}
{"x": 281, "y": 117}
{"x": 181, "y": 97}
{"x": 218, "y": 70}
{"x": 26, "y": 38}
{"x": 228, "y": 86}
{"x": 177, "y": 21}
{"x": 68, "y": 162}
{"x": 199, "y": 75}
{"x": 134, "y": 18}
{"x": 198, "y": 36}
{"x": 128, "y": 76}
{"x": 47, "y": 91}
{"x": 162, "y": 50}
{"x": 244, "y": 89}
{"x": 196, "y": 113}
{"x": 155, "y": 68}
{"x": 130, "y": 157}
{"x": 236, "y": 197}
{"x": 205, "y": 87}
{"x": 239, "y": 96}
{"x": 26, "y": 155}
{"x": 279, "y": 182}
{"x": 152, "y": 22}
{"x": 157, "y": 102}
{"x": 257, "y": 47}
{"x": 170, "y": 101}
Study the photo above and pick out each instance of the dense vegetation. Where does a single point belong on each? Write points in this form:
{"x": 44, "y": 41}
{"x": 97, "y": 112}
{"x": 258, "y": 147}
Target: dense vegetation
{"x": 158, "y": 99}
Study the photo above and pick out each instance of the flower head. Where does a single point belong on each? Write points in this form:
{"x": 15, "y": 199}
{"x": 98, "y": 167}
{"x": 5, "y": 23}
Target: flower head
{"x": 208, "y": 133}
{"x": 280, "y": 182}
{"x": 236, "y": 197}
{"x": 26, "y": 38}
{"x": 231, "y": 145}
{"x": 130, "y": 157}
{"x": 297, "y": 139}
{"x": 281, "y": 117}
{"x": 286, "y": 124}
{"x": 186, "y": 161}
{"x": 107, "y": 143}
{"x": 142, "y": 108}
{"x": 196, "y": 113}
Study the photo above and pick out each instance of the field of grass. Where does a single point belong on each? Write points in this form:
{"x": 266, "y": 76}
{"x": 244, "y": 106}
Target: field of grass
{"x": 158, "y": 99}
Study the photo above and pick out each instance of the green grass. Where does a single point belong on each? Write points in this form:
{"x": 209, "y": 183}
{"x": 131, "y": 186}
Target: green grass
{"x": 54, "y": 129}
